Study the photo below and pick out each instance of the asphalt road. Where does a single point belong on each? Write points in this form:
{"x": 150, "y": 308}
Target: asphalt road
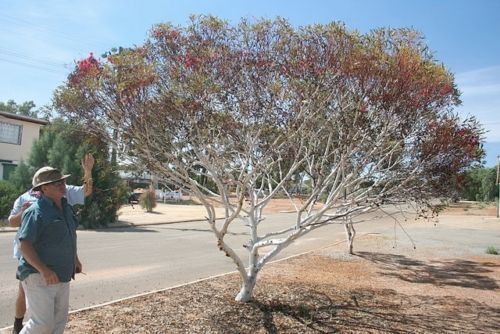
{"x": 122, "y": 262}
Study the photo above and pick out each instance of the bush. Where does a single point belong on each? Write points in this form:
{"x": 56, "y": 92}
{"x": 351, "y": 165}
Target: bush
{"x": 147, "y": 200}
{"x": 8, "y": 194}
{"x": 492, "y": 250}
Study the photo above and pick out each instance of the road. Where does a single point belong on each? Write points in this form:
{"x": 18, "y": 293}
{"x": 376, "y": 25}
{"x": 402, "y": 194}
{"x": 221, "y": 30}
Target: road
{"x": 128, "y": 261}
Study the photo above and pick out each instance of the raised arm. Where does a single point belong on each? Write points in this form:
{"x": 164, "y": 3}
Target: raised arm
{"x": 87, "y": 165}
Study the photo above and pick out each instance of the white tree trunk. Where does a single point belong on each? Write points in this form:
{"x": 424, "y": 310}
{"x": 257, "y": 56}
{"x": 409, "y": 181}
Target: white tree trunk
{"x": 351, "y": 233}
{"x": 247, "y": 285}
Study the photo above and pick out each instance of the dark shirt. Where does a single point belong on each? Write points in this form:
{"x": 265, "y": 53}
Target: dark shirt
{"x": 53, "y": 235}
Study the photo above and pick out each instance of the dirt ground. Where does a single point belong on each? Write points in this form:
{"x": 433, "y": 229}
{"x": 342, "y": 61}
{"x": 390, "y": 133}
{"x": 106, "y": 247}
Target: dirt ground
{"x": 378, "y": 290}
{"x": 471, "y": 208}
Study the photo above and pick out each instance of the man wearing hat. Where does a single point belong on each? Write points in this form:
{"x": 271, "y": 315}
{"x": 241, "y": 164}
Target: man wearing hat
{"x": 74, "y": 195}
{"x": 48, "y": 245}
{"x": 49, "y": 254}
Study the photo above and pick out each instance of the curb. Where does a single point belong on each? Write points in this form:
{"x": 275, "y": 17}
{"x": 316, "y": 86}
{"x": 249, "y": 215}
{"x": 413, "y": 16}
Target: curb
{"x": 120, "y": 225}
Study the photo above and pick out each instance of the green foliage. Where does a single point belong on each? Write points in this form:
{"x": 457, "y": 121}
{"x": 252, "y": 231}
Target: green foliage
{"x": 25, "y": 109}
{"x": 62, "y": 145}
{"x": 109, "y": 193}
{"x": 21, "y": 177}
{"x": 8, "y": 194}
{"x": 479, "y": 185}
{"x": 492, "y": 250}
{"x": 147, "y": 200}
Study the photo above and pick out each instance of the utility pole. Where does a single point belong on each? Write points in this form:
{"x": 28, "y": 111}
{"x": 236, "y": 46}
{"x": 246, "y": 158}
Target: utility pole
{"x": 498, "y": 186}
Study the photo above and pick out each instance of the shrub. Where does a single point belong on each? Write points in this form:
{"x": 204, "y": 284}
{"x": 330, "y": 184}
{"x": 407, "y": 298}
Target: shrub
{"x": 8, "y": 194}
{"x": 492, "y": 250}
{"x": 147, "y": 200}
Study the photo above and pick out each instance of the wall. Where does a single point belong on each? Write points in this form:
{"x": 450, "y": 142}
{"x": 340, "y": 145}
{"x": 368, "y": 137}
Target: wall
{"x": 14, "y": 153}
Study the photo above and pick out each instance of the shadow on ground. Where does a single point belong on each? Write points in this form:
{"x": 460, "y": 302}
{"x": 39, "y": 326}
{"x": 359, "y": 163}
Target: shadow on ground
{"x": 381, "y": 311}
{"x": 456, "y": 272}
{"x": 124, "y": 229}
{"x": 207, "y": 230}
{"x": 209, "y": 307}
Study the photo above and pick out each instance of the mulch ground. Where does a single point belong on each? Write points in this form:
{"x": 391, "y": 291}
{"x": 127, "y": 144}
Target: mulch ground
{"x": 324, "y": 292}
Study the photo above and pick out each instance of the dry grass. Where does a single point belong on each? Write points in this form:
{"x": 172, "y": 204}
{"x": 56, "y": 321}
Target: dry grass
{"x": 471, "y": 209}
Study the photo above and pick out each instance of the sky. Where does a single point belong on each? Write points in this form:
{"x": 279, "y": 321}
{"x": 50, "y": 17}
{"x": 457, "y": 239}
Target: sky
{"x": 41, "y": 40}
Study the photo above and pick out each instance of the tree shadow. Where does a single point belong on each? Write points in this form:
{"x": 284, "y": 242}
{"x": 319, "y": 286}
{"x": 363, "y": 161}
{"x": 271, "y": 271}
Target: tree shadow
{"x": 154, "y": 213}
{"x": 207, "y": 230}
{"x": 380, "y": 311}
{"x": 124, "y": 229}
{"x": 294, "y": 307}
{"x": 456, "y": 272}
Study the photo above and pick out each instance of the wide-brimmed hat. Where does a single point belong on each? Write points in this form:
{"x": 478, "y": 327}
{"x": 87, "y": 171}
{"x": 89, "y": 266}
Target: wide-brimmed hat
{"x": 47, "y": 175}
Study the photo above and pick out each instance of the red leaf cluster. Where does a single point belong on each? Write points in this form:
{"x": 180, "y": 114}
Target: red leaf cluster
{"x": 85, "y": 68}
{"x": 451, "y": 146}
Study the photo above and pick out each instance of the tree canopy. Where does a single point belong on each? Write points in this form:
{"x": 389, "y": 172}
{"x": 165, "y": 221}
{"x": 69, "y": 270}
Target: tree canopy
{"x": 366, "y": 119}
{"x": 25, "y": 109}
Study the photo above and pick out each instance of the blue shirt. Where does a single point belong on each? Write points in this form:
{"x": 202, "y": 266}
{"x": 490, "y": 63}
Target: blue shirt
{"x": 74, "y": 195}
{"x": 52, "y": 233}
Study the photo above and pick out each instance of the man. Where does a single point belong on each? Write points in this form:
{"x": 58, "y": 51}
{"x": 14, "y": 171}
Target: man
{"x": 74, "y": 195}
{"x": 49, "y": 254}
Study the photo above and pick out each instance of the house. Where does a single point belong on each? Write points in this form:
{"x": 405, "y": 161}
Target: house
{"x": 17, "y": 134}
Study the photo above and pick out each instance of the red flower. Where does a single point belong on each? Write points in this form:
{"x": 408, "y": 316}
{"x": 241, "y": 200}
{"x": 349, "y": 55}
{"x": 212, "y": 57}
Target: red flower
{"x": 88, "y": 67}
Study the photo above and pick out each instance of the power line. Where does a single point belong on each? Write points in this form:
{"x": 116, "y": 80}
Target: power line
{"x": 26, "y": 27}
{"x": 44, "y": 61}
{"x": 17, "y": 22}
{"x": 32, "y": 65}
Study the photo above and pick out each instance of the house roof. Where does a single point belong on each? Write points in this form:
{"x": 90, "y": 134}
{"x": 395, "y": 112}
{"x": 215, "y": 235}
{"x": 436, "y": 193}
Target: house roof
{"x": 23, "y": 118}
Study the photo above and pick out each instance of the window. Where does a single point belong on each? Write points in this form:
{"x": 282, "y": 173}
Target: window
{"x": 8, "y": 169}
{"x": 10, "y": 133}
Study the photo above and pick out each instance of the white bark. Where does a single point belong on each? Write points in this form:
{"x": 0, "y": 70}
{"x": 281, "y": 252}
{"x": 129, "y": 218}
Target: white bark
{"x": 350, "y": 233}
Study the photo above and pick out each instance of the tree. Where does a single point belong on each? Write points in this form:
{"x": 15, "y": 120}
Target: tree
{"x": 364, "y": 119}
{"x": 63, "y": 145}
{"x": 25, "y": 109}
{"x": 21, "y": 177}
{"x": 479, "y": 185}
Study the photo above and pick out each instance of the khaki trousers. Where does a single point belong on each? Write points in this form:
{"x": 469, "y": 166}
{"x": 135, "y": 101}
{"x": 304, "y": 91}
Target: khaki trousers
{"x": 48, "y": 305}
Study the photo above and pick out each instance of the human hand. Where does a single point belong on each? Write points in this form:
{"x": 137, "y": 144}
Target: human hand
{"x": 88, "y": 163}
{"x": 25, "y": 205}
{"x": 49, "y": 276}
{"x": 78, "y": 267}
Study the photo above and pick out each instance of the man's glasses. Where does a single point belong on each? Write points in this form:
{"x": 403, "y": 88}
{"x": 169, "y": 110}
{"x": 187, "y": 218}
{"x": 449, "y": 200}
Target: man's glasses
{"x": 58, "y": 183}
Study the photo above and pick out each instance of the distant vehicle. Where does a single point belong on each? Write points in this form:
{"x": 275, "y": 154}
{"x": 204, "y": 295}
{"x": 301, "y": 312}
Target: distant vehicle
{"x": 133, "y": 198}
{"x": 169, "y": 195}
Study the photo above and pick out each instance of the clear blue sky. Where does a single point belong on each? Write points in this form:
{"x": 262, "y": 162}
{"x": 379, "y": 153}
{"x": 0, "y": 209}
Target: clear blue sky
{"x": 40, "y": 40}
